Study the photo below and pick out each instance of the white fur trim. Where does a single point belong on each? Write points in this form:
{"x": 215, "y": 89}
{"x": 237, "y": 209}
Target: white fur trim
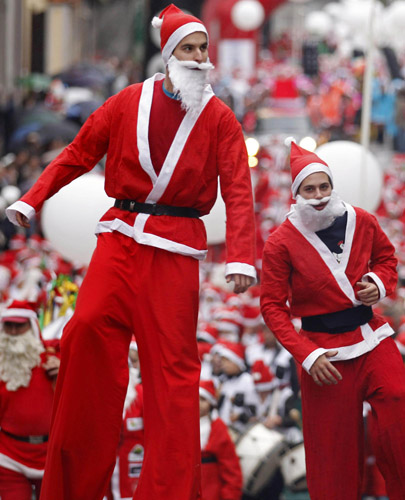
{"x": 143, "y": 238}
{"x": 157, "y": 22}
{"x": 312, "y": 168}
{"x": 21, "y": 313}
{"x": 240, "y": 268}
{"x": 19, "y": 206}
{"x": 371, "y": 340}
{"x": 377, "y": 281}
{"x": 266, "y": 386}
{"x": 228, "y": 326}
{"x": 9, "y": 463}
{"x": 228, "y": 354}
{"x": 177, "y": 36}
{"x": 338, "y": 271}
{"x": 208, "y": 396}
{"x": 205, "y": 430}
{"x": 311, "y": 358}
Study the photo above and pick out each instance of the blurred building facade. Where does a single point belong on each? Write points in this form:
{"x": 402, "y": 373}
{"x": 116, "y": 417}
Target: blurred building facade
{"x": 39, "y": 36}
{"x": 47, "y": 36}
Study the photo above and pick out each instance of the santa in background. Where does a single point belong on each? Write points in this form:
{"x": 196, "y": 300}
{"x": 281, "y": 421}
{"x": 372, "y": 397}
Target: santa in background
{"x": 130, "y": 451}
{"x": 221, "y": 475}
{"x": 28, "y": 369}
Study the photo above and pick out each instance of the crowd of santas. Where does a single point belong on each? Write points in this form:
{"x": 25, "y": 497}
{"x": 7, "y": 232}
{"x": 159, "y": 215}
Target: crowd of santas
{"x": 239, "y": 355}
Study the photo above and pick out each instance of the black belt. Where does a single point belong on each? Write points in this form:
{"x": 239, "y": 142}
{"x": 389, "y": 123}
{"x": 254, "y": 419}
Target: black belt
{"x": 211, "y": 459}
{"x": 155, "y": 209}
{"x": 338, "y": 322}
{"x": 27, "y": 439}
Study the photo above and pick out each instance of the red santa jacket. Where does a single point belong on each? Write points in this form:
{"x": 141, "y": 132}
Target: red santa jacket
{"x": 221, "y": 475}
{"x": 206, "y": 146}
{"x": 26, "y": 412}
{"x": 299, "y": 268}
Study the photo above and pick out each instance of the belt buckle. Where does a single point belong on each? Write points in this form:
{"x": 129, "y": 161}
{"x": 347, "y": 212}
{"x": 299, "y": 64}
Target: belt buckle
{"x": 35, "y": 439}
{"x": 154, "y": 209}
{"x": 131, "y": 206}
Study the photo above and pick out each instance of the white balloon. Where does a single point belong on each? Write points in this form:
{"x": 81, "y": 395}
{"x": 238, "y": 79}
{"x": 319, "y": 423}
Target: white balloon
{"x": 318, "y": 23}
{"x": 341, "y": 31}
{"x": 393, "y": 21}
{"x": 358, "y": 185}
{"x": 155, "y": 65}
{"x": 74, "y": 95}
{"x": 10, "y": 194}
{"x": 247, "y": 15}
{"x": 356, "y": 14}
{"x": 345, "y": 49}
{"x": 215, "y": 222}
{"x": 334, "y": 9}
{"x": 69, "y": 218}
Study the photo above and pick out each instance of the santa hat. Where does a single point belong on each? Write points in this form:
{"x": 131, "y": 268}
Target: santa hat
{"x": 207, "y": 333}
{"x": 233, "y": 351}
{"x": 228, "y": 319}
{"x": 304, "y": 163}
{"x": 20, "y": 311}
{"x": 262, "y": 376}
{"x": 133, "y": 345}
{"x": 252, "y": 316}
{"x": 174, "y": 25}
{"x": 17, "y": 242}
{"x": 208, "y": 392}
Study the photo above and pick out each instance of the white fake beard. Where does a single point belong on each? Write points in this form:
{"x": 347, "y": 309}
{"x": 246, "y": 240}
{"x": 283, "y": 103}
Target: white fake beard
{"x": 19, "y": 354}
{"x": 189, "y": 79}
{"x": 316, "y": 220}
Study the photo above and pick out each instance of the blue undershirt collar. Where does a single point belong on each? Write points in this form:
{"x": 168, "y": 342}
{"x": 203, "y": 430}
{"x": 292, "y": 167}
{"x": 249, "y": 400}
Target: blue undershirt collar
{"x": 170, "y": 94}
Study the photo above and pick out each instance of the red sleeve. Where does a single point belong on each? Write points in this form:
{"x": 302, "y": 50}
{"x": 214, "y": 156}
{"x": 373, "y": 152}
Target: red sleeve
{"x": 383, "y": 261}
{"x": 228, "y": 462}
{"x": 275, "y": 288}
{"x": 89, "y": 146}
{"x": 236, "y": 190}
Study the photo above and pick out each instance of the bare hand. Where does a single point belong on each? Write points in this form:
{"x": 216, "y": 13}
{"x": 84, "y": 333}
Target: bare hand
{"x": 323, "y": 371}
{"x": 242, "y": 282}
{"x": 22, "y": 220}
{"x": 51, "y": 366}
{"x": 368, "y": 293}
{"x": 273, "y": 421}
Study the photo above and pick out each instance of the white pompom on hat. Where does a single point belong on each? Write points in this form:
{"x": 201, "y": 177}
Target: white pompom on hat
{"x": 174, "y": 25}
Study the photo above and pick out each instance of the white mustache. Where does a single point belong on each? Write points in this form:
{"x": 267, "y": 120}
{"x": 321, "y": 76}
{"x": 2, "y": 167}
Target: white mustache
{"x": 315, "y": 203}
{"x": 195, "y": 65}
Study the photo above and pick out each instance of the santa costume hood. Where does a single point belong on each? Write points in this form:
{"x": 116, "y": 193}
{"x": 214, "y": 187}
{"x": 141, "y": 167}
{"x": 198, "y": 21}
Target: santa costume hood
{"x": 174, "y": 25}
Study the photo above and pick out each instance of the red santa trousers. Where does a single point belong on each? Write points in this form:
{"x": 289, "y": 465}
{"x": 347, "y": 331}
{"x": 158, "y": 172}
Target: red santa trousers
{"x": 153, "y": 293}
{"x": 333, "y": 425}
{"x": 16, "y": 486}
